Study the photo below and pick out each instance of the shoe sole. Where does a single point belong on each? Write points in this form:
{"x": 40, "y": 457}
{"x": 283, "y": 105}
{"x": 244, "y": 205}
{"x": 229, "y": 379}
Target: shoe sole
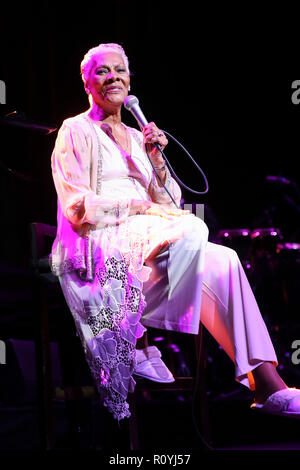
{"x": 153, "y": 379}
{"x": 285, "y": 414}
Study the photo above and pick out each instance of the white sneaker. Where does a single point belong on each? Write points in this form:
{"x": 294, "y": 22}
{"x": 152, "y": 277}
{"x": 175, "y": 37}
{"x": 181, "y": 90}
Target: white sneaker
{"x": 150, "y": 365}
{"x": 285, "y": 402}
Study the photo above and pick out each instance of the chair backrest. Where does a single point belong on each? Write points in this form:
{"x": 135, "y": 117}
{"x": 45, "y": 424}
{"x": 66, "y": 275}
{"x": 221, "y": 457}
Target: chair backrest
{"x": 41, "y": 238}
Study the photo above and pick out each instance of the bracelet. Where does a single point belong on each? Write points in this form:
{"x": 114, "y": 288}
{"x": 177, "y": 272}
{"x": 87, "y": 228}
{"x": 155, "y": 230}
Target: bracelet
{"x": 160, "y": 169}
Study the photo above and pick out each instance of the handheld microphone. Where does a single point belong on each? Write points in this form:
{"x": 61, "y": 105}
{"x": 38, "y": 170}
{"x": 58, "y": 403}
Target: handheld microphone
{"x": 131, "y": 103}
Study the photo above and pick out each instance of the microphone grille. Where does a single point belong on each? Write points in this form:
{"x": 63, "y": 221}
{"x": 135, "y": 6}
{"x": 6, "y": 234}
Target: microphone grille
{"x": 130, "y": 101}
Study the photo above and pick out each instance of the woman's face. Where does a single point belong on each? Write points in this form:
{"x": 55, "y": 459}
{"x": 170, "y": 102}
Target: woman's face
{"x": 108, "y": 80}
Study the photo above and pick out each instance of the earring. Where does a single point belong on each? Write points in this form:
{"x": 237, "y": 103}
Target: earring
{"x": 128, "y": 87}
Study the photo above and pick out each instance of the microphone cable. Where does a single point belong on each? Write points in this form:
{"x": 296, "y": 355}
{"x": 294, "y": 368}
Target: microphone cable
{"x": 173, "y": 172}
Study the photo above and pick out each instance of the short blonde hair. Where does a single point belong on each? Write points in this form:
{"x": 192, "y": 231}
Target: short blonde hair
{"x": 88, "y": 59}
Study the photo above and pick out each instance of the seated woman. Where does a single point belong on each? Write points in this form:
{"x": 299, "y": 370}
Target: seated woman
{"x": 128, "y": 259}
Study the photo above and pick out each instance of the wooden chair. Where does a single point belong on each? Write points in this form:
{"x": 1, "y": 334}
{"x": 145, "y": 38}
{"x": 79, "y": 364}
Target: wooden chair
{"x": 41, "y": 239}
{"x": 42, "y": 278}
{"x": 195, "y": 384}
{"x": 51, "y": 314}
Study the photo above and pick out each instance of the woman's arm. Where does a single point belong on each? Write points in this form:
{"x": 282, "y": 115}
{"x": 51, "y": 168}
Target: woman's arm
{"x": 158, "y": 193}
{"x": 152, "y": 135}
{"x": 71, "y": 168}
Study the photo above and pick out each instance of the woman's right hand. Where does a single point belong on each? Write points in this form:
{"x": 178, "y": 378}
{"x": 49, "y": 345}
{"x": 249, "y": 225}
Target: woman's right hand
{"x": 152, "y": 208}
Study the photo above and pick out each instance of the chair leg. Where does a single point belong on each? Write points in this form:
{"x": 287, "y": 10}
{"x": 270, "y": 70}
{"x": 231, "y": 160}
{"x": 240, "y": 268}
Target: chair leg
{"x": 200, "y": 391}
{"x": 44, "y": 375}
{"x": 133, "y": 423}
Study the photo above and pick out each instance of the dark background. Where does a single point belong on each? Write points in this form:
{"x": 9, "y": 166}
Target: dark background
{"x": 219, "y": 81}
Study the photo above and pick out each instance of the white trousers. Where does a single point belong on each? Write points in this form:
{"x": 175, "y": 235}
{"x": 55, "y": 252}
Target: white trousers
{"x": 183, "y": 290}
{"x": 192, "y": 280}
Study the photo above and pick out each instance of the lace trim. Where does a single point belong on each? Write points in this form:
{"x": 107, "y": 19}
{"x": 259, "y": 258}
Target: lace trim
{"x": 76, "y": 263}
{"x": 100, "y": 157}
{"x": 88, "y": 241}
{"x": 82, "y": 263}
{"x": 137, "y": 136}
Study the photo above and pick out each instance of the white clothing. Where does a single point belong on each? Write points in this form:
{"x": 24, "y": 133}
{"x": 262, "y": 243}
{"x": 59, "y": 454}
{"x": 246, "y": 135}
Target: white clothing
{"x": 125, "y": 288}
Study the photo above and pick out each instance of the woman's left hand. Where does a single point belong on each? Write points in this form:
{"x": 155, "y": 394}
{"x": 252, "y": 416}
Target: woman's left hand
{"x": 152, "y": 134}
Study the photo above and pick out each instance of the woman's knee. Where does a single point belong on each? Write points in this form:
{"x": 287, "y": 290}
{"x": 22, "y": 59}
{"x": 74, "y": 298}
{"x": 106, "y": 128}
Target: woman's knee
{"x": 194, "y": 227}
{"x": 220, "y": 254}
